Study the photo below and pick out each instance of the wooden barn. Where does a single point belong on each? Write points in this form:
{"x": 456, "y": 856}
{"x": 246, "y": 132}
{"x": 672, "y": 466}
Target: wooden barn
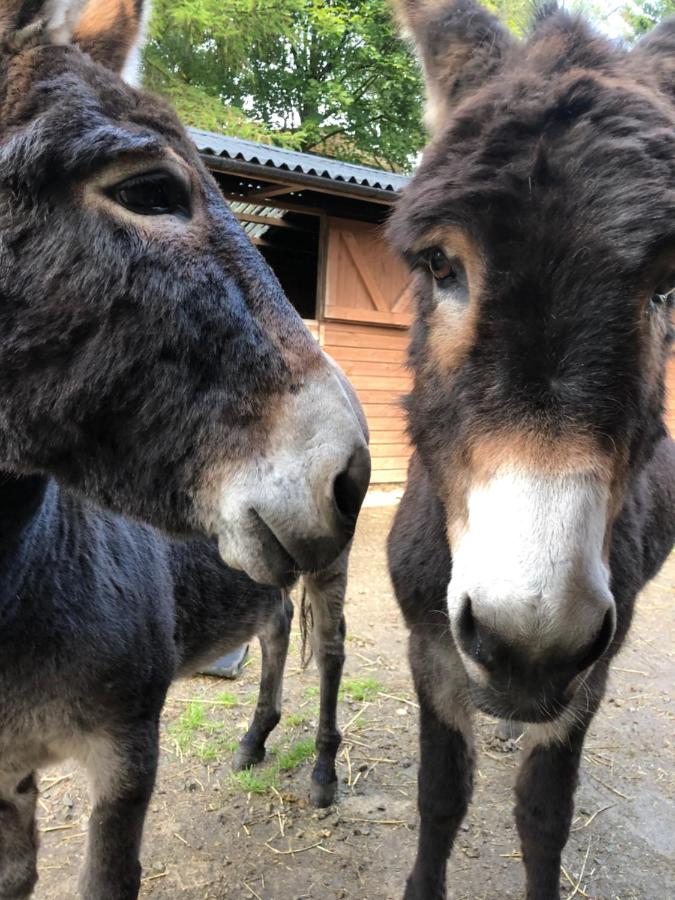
{"x": 319, "y": 223}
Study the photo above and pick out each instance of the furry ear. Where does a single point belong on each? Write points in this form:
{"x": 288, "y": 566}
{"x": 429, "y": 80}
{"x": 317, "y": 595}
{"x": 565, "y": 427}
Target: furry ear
{"x": 460, "y": 46}
{"x": 655, "y": 54}
{"x": 53, "y": 20}
{"x": 110, "y": 31}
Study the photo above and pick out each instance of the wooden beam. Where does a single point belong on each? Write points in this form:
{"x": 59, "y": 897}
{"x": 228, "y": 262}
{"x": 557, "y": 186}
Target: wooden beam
{"x": 281, "y": 204}
{"x": 372, "y": 316}
{"x": 264, "y": 193}
{"x": 404, "y": 301}
{"x": 265, "y": 220}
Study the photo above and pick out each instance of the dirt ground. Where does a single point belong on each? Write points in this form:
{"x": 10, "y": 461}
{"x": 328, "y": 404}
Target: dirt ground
{"x": 210, "y": 835}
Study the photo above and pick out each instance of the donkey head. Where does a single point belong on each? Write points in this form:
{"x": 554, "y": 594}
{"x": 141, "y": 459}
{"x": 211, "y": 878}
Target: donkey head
{"x": 540, "y": 225}
{"x": 148, "y": 357}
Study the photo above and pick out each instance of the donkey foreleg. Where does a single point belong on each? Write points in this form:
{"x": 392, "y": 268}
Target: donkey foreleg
{"x": 326, "y": 598}
{"x": 121, "y": 771}
{"x": 445, "y": 780}
{"x": 274, "y": 641}
{"x": 545, "y": 789}
{"x": 18, "y": 835}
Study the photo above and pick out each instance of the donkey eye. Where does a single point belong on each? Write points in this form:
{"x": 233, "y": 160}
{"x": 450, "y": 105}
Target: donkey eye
{"x": 153, "y": 194}
{"x": 442, "y": 268}
{"x": 665, "y": 294}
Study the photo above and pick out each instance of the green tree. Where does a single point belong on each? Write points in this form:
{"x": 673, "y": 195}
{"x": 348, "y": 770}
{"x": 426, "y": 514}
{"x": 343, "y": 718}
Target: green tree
{"x": 642, "y": 15}
{"x": 328, "y": 76}
{"x": 515, "y": 14}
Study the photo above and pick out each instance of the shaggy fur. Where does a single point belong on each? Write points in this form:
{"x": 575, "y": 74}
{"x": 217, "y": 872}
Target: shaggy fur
{"x": 555, "y": 162}
{"x": 151, "y": 368}
{"x": 141, "y": 362}
{"x": 97, "y": 616}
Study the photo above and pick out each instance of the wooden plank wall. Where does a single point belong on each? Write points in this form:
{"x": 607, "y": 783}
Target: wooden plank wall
{"x": 670, "y": 396}
{"x": 313, "y": 327}
{"x": 373, "y": 358}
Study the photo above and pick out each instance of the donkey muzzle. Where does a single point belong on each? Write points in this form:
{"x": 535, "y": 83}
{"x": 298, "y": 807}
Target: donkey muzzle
{"x": 294, "y": 508}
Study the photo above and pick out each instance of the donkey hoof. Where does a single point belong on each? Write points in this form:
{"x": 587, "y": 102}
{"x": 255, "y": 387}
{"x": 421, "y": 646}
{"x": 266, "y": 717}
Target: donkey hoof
{"x": 323, "y": 794}
{"x": 247, "y": 756}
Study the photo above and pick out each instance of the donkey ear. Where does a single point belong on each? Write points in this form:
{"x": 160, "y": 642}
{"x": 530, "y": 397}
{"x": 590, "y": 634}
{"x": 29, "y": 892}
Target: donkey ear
{"x": 112, "y": 33}
{"x": 655, "y": 54}
{"x": 53, "y": 20}
{"x": 460, "y": 45}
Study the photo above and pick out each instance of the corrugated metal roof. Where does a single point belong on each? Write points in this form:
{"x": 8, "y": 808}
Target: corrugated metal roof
{"x": 291, "y": 161}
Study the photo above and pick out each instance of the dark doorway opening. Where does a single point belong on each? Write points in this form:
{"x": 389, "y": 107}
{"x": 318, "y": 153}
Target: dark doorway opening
{"x": 289, "y": 241}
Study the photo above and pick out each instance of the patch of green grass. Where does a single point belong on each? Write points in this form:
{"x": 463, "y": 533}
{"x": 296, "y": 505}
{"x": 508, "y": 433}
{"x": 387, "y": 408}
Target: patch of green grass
{"x": 302, "y": 716}
{"x": 253, "y": 781}
{"x": 225, "y": 698}
{"x": 261, "y": 780}
{"x": 312, "y": 691}
{"x": 187, "y": 724}
{"x": 298, "y": 753}
{"x": 197, "y": 735}
{"x": 295, "y": 719}
{"x": 210, "y": 750}
{"x": 359, "y": 689}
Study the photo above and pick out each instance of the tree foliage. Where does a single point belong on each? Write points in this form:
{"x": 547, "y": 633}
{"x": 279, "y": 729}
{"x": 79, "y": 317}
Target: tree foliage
{"x": 642, "y": 15}
{"x": 325, "y": 76}
{"x": 329, "y": 76}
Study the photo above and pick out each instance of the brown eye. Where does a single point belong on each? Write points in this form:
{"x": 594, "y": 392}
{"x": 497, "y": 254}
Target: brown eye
{"x": 157, "y": 193}
{"x": 665, "y": 295}
{"x": 440, "y": 266}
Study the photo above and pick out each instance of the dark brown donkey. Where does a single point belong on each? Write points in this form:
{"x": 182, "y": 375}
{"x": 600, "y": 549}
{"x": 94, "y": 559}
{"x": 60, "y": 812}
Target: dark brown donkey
{"x": 541, "y": 497}
{"x": 148, "y": 357}
{"x": 151, "y": 371}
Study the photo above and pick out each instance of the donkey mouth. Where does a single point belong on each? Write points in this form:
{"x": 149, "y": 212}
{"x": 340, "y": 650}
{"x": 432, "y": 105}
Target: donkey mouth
{"x": 256, "y": 550}
{"x": 277, "y": 558}
{"x": 532, "y": 708}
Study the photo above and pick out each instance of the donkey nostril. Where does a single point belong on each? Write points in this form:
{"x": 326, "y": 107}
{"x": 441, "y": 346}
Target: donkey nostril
{"x": 466, "y": 626}
{"x": 350, "y": 486}
{"x": 478, "y": 641}
{"x": 600, "y": 643}
{"x": 26, "y": 784}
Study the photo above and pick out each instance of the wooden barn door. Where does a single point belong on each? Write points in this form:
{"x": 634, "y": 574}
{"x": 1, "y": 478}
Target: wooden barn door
{"x": 367, "y": 308}
{"x": 365, "y": 282}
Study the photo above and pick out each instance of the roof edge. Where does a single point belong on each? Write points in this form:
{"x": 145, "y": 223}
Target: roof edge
{"x": 251, "y": 158}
